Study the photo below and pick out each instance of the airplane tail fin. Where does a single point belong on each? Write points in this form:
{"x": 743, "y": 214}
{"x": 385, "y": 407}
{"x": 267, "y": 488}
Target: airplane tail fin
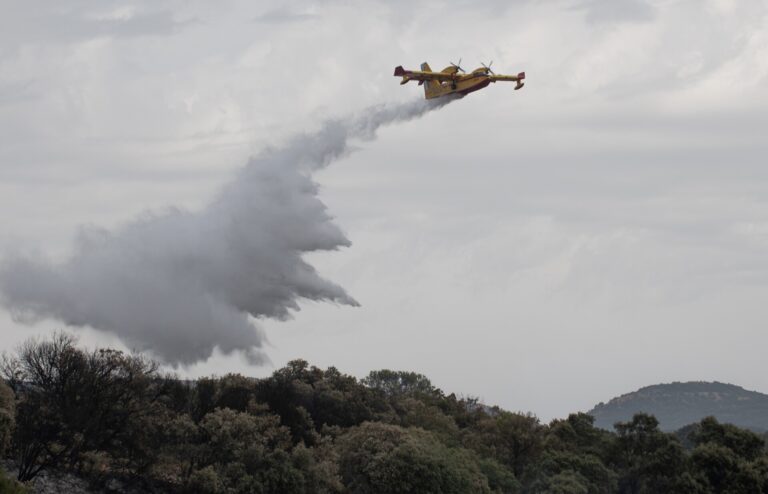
{"x": 401, "y": 72}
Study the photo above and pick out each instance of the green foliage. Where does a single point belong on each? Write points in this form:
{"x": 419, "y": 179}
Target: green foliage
{"x": 74, "y": 401}
{"x": 565, "y": 482}
{"x": 743, "y": 443}
{"x": 387, "y": 459}
{"x": 500, "y": 479}
{"x": 648, "y": 460}
{"x": 102, "y": 414}
{"x": 399, "y": 383}
{"x": 239, "y": 452}
{"x": 574, "y": 458}
{"x": 308, "y": 398}
{"x": 206, "y": 481}
{"x": 578, "y": 434}
{"x": 577, "y": 470}
{"x": 731, "y": 460}
{"x": 7, "y": 416}
{"x": 513, "y": 439}
{"x": 416, "y": 413}
{"x": 230, "y": 435}
{"x": 10, "y": 486}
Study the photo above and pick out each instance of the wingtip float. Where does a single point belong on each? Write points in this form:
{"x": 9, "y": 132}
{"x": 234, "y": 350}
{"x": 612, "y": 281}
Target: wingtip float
{"x": 455, "y": 80}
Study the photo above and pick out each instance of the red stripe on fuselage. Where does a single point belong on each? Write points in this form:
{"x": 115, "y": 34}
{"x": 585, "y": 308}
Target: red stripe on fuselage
{"x": 477, "y": 86}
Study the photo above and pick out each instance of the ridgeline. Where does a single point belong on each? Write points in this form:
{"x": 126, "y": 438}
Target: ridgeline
{"x": 679, "y": 404}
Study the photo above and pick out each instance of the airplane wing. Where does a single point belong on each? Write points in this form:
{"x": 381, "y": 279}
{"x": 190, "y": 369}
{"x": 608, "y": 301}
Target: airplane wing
{"x": 421, "y": 76}
{"x": 514, "y": 78}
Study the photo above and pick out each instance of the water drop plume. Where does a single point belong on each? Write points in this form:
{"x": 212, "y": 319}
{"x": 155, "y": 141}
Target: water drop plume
{"x": 180, "y": 283}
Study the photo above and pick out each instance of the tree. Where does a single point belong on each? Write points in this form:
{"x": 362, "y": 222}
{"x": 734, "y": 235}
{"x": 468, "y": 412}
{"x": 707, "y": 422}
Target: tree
{"x": 564, "y": 482}
{"x": 398, "y": 383}
{"x": 730, "y": 459}
{"x": 578, "y": 434}
{"x": 72, "y": 401}
{"x": 307, "y": 399}
{"x": 7, "y": 416}
{"x": 744, "y": 444}
{"x": 416, "y": 413}
{"x": 571, "y": 472}
{"x": 379, "y": 458}
{"x": 574, "y": 458}
{"x": 501, "y": 480}
{"x": 237, "y": 452}
{"x": 648, "y": 460}
{"x": 513, "y": 439}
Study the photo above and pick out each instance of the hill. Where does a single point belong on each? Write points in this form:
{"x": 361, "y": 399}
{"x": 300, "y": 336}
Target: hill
{"x": 678, "y": 404}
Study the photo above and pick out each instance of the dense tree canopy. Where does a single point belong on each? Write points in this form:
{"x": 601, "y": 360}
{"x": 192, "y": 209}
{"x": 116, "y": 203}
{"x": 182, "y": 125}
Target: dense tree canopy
{"x": 103, "y": 414}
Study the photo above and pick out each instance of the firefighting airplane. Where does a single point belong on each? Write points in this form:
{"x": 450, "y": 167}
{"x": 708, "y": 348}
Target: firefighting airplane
{"x": 449, "y": 81}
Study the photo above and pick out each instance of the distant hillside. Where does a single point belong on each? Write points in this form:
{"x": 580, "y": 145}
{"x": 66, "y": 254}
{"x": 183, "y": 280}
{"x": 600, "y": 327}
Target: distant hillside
{"x": 679, "y": 404}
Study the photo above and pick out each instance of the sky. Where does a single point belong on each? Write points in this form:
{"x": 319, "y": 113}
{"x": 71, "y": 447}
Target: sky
{"x": 602, "y": 229}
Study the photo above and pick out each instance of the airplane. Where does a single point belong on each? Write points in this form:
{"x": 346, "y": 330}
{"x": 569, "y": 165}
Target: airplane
{"x": 450, "y": 81}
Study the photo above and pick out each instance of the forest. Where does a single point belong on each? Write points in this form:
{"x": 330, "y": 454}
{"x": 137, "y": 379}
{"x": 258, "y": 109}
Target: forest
{"x": 103, "y": 414}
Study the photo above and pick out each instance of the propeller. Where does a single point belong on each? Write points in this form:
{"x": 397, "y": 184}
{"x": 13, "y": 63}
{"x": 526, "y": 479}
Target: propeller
{"x": 458, "y": 66}
{"x": 488, "y": 67}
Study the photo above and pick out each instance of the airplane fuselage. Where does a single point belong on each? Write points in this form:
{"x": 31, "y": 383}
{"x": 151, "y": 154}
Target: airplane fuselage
{"x": 465, "y": 85}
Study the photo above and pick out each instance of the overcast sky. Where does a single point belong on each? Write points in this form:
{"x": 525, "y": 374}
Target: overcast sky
{"x": 603, "y": 229}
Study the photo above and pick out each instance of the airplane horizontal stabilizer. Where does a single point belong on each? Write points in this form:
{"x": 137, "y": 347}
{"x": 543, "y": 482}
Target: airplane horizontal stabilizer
{"x": 520, "y": 82}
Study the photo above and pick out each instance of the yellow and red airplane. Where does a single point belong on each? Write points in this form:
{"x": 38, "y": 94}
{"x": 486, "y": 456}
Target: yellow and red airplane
{"x": 450, "y": 81}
